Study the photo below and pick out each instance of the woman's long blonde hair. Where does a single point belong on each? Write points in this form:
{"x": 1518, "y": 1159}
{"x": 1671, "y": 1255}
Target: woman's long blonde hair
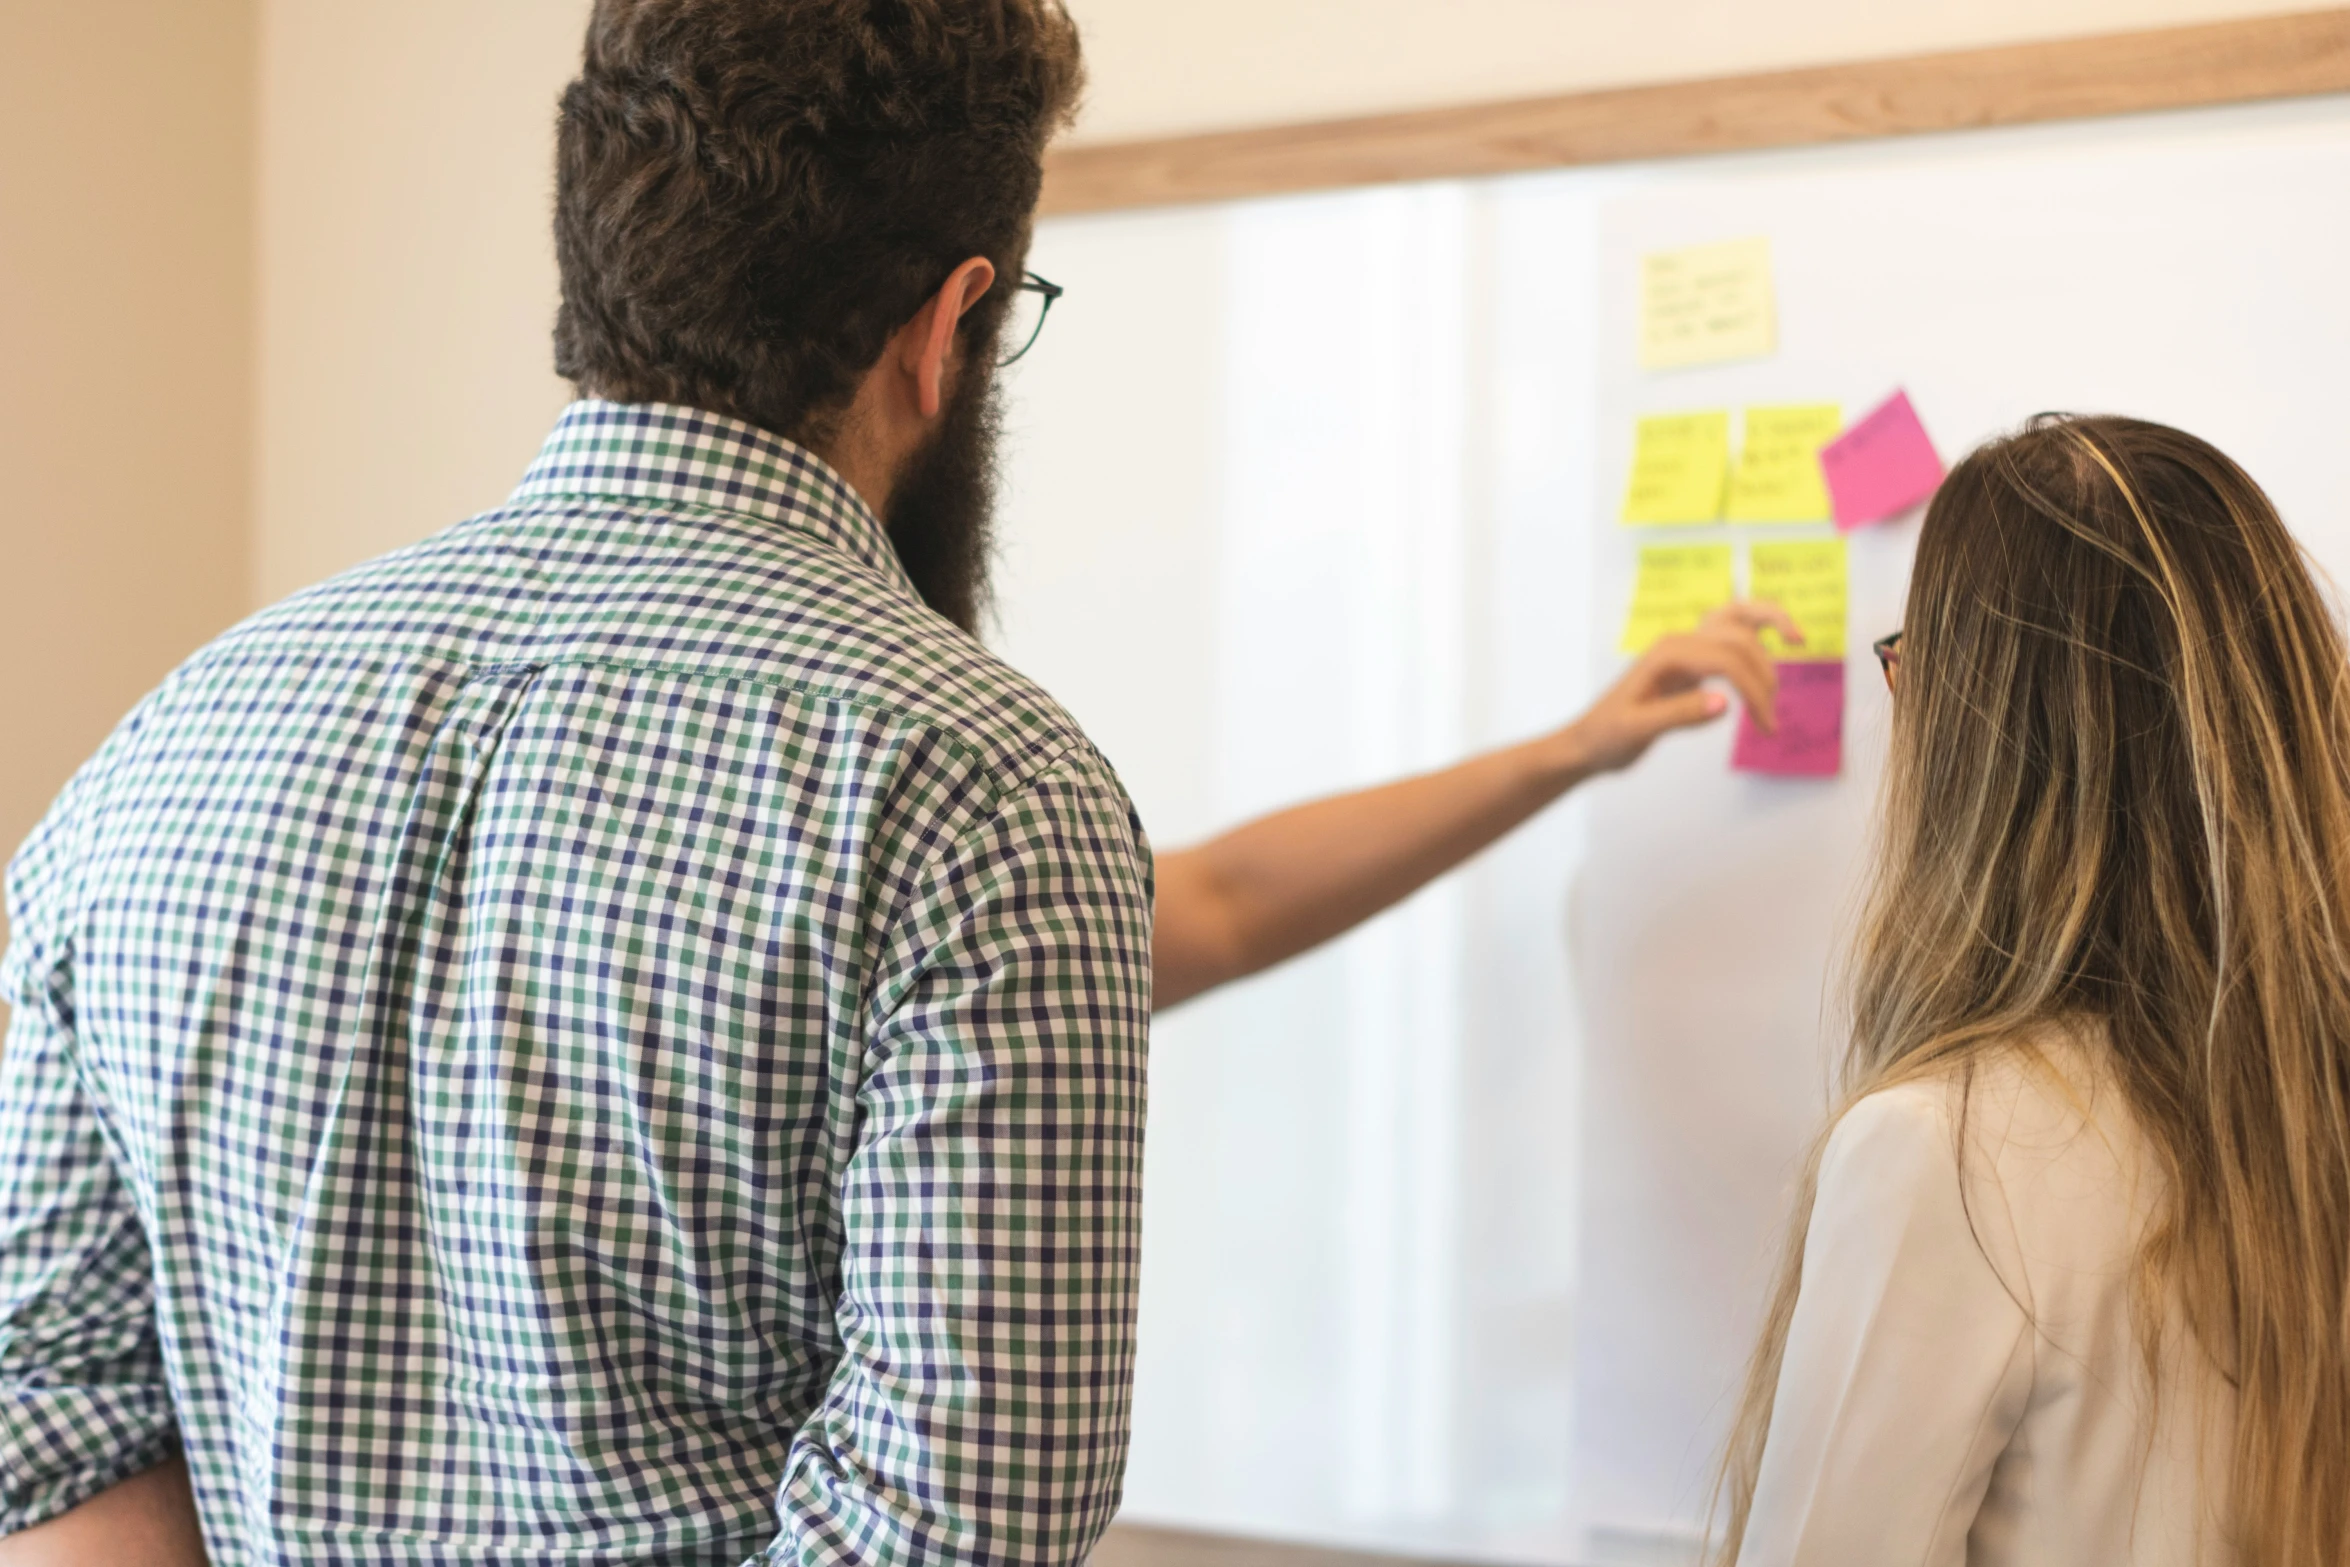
{"x": 2119, "y": 794}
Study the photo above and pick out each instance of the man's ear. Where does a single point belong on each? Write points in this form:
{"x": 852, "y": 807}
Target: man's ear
{"x": 931, "y": 346}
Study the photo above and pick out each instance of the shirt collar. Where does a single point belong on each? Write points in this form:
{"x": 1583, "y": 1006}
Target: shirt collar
{"x": 688, "y": 456}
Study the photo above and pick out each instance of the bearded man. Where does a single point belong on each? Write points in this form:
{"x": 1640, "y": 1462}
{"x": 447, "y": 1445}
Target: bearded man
{"x": 616, "y": 1034}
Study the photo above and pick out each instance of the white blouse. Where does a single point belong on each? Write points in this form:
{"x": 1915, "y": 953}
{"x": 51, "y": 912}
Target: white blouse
{"x": 1964, "y": 1382}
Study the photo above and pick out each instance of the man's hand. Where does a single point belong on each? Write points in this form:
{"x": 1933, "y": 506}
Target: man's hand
{"x": 1273, "y": 888}
{"x": 1667, "y": 690}
{"x": 148, "y": 1520}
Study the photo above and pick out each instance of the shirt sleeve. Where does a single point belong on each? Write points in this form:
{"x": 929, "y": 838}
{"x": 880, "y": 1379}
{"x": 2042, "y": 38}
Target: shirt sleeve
{"x": 1909, "y": 1360}
{"x": 83, "y": 1399}
{"x": 992, "y": 1206}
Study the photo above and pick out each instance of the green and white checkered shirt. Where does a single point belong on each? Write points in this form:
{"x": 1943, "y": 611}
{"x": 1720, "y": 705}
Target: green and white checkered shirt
{"x": 613, "y": 1035}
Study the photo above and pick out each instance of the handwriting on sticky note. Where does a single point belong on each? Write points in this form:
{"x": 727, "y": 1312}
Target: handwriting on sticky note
{"x": 1706, "y": 304}
{"x": 1778, "y": 476}
{"x": 1679, "y": 585}
{"x": 1807, "y": 579}
{"x": 1809, "y": 742}
{"x": 1680, "y": 462}
{"x": 1882, "y": 466}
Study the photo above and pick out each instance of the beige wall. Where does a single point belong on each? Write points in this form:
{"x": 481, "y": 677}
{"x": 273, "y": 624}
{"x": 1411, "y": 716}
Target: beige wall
{"x": 1165, "y": 66}
{"x": 407, "y": 279}
{"x": 125, "y": 347}
{"x": 407, "y": 276}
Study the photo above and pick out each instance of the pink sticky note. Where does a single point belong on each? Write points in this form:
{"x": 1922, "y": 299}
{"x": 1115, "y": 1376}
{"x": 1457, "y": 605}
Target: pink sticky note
{"x": 1882, "y": 466}
{"x": 1810, "y": 739}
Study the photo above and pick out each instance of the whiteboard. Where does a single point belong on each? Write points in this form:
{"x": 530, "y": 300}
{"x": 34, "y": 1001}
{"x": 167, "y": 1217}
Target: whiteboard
{"x": 1456, "y": 1232}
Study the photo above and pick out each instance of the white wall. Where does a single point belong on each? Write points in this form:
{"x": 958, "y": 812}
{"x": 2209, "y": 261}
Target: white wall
{"x": 1268, "y": 538}
{"x": 1458, "y": 1230}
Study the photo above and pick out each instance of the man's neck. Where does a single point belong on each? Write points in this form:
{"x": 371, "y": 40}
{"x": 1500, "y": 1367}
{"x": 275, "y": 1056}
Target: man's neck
{"x": 865, "y": 447}
{"x": 864, "y": 470}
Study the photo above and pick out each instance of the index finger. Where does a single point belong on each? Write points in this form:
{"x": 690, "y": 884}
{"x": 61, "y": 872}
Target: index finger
{"x": 1754, "y": 616}
{"x": 1726, "y": 653}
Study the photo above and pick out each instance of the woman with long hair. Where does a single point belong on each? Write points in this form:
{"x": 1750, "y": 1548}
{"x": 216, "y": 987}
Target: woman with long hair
{"x": 2072, "y": 1278}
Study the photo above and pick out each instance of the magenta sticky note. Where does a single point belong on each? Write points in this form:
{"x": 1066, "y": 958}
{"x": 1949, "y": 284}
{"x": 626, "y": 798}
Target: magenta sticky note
{"x": 1882, "y": 466}
{"x": 1809, "y": 742}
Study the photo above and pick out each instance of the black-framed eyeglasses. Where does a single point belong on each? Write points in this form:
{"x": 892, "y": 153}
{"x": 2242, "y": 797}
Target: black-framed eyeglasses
{"x": 1032, "y": 301}
{"x": 1888, "y": 651}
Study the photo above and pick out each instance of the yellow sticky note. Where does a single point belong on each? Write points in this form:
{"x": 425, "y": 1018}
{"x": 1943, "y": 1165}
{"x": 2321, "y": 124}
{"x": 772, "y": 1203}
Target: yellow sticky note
{"x": 1778, "y": 476}
{"x": 1679, "y": 465}
{"x": 1706, "y": 304}
{"x": 1807, "y": 580}
{"x": 1679, "y": 585}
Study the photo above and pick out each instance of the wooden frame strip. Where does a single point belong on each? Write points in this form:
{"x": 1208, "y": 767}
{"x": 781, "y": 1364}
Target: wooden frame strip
{"x": 1147, "y": 1545}
{"x": 2295, "y": 55}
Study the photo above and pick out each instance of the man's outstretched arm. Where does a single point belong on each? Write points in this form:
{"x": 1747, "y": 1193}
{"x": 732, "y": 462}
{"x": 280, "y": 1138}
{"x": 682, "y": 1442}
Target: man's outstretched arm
{"x": 1274, "y": 888}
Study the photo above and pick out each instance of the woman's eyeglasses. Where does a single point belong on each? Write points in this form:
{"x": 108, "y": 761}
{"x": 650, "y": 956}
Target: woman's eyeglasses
{"x": 1888, "y": 651}
{"x": 1032, "y": 301}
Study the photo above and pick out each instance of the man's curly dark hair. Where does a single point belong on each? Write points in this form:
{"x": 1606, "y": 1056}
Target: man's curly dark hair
{"x": 753, "y": 195}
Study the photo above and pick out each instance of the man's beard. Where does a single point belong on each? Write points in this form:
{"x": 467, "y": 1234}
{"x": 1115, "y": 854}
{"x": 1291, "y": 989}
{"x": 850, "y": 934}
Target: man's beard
{"x": 941, "y": 516}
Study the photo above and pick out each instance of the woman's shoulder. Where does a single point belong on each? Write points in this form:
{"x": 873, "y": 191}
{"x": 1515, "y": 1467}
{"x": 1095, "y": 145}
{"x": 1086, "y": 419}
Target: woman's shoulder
{"x": 2033, "y": 1134}
{"x": 1902, "y": 1123}
{"x": 2018, "y": 1101}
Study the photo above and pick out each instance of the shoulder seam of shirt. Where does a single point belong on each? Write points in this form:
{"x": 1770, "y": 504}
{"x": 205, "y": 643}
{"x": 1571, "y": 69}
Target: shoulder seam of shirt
{"x": 1020, "y": 761}
{"x": 1026, "y": 762}
{"x": 765, "y": 529}
{"x": 539, "y": 500}
{"x": 1073, "y": 750}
